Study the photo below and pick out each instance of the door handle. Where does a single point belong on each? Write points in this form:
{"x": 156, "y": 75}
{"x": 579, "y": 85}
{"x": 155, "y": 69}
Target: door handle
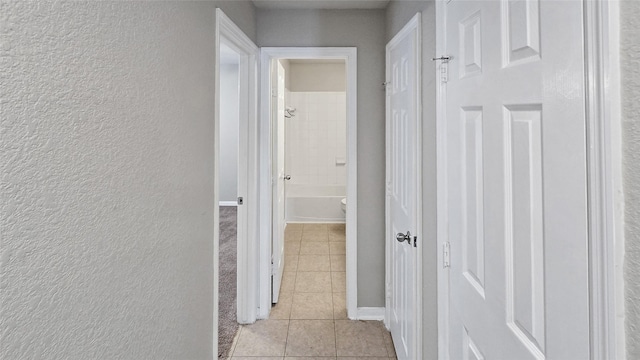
{"x": 402, "y": 237}
{"x": 287, "y": 177}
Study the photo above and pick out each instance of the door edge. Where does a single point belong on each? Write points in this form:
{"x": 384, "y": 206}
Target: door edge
{"x": 414, "y": 25}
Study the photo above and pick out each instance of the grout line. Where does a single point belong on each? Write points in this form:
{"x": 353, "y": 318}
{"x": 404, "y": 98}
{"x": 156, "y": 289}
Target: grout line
{"x": 286, "y": 339}
{"x": 333, "y": 310}
{"x": 234, "y": 342}
{"x": 335, "y": 331}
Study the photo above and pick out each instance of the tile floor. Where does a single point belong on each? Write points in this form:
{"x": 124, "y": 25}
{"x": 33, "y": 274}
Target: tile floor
{"x": 310, "y": 319}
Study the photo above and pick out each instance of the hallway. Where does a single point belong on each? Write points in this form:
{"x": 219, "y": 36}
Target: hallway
{"x": 310, "y": 320}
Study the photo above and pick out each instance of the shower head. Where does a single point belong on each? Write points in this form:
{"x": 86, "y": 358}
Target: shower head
{"x": 289, "y": 112}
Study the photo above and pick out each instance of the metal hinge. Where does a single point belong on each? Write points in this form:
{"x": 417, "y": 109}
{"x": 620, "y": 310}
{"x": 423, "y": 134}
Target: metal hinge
{"x": 274, "y": 92}
{"x": 415, "y": 241}
{"x": 444, "y": 67}
{"x": 446, "y": 255}
{"x": 444, "y": 72}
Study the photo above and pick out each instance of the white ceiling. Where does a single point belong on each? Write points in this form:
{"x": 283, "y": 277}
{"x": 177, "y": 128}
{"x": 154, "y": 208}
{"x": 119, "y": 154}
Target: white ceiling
{"x": 321, "y": 4}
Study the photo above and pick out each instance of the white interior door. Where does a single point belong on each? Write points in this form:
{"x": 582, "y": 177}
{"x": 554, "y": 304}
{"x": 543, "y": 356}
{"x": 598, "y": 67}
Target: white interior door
{"x": 242, "y": 217}
{"x": 516, "y": 177}
{"x": 403, "y": 139}
{"x": 278, "y": 183}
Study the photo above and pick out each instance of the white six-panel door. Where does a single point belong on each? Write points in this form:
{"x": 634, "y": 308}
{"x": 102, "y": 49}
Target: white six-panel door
{"x": 516, "y": 177}
{"x": 403, "y": 147}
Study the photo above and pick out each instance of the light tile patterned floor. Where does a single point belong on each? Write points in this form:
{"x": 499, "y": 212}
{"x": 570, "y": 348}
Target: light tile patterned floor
{"x": 310, "y": 319}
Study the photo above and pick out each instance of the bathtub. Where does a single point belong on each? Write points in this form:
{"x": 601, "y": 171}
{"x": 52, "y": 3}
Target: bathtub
{"x": 314, "y": 203}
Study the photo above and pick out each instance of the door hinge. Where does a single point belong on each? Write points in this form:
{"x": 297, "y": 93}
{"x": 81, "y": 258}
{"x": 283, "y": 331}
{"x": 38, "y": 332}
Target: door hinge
{"x": 274, "y": 92}
{"x": 444, "y": 67}
{"x": 446, "y": 255}
{"x": 273, "y": 268}
{"x": 240, "y": 200}
{"x": 444, "y": 71}
{"x": 415, "y": 241}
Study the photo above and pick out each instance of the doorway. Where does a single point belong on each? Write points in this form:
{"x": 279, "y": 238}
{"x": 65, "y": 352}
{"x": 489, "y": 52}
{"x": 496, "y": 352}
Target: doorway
{"x": 309, "y": 110}
{"x": 235, "y": 169}
{"x": 229, "y": 192}
{"x": 296, "y": 109}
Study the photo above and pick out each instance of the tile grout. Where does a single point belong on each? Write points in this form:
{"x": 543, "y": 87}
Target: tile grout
{"x": 333, "y": 317}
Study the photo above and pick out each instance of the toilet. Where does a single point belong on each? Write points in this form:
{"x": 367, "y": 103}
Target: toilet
{"x": 343, "y": 205}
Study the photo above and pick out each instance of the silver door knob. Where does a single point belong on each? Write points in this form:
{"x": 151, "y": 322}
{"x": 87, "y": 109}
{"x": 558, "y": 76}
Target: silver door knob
{"x": 287, "y": 177}
{"x": 402, "y": 237}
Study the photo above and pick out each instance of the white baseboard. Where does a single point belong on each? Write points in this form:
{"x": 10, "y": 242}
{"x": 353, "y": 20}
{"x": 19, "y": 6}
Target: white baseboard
{"x": 228, "y": 203}
{"x": 370, "y": 313}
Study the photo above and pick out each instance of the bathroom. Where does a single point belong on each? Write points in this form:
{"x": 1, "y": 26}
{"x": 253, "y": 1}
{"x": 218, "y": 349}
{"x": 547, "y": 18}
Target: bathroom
{"x": 315, "y": 140}
{"x": 311, "y": 118}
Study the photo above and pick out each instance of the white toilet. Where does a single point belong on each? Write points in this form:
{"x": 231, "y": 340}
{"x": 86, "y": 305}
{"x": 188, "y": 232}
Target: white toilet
{"x": 343, "y": 205}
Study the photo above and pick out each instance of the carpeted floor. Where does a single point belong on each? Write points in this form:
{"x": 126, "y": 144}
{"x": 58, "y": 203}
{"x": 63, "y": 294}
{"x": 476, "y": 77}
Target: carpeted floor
{"x": 227, "y": 324}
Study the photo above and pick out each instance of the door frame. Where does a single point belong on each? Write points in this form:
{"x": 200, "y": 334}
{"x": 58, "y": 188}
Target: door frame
{"x": 605, "y": 199}
{"x": 231, "y": 35}
{"x": 349, "y": 54}
{"x": 413, "y": 26}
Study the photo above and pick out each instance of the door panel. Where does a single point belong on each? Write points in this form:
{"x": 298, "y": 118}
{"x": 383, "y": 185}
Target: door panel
{"x": 516, "y": 177}
{"x": 402, "y": 169}
{"x": 473, "y": 202}
{"x": 279, "y": 183}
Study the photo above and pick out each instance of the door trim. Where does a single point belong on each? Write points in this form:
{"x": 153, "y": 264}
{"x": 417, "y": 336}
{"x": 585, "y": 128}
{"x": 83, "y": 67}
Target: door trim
{"x": 413, "y": 26}
{"x": 606, "y": 203}
{"x": 230, "y": 34}
{"x": 605, "y": 198}
{"x": 349, "y": 54}
{"x": 441, "y": 186}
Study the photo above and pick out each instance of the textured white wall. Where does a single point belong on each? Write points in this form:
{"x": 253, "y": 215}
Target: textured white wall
{"x": 106, "y": 128}
{"x": 398, "y": 14}
{"x": 229, "y": 127}
{"x": 630, "y": 66}
{"x": 363, "y": 29}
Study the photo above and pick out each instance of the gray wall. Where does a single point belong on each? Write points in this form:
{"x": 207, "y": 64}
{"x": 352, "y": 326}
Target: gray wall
{"x": 317, "y": 77}
{"x": 243, "y": 14}
{"x": 107, "y": 178}
{"x": 362, "y": 29}
{"x": 398, "y": 14}
{"x": 229, "y": 116}
{"x": 630, "y": 66}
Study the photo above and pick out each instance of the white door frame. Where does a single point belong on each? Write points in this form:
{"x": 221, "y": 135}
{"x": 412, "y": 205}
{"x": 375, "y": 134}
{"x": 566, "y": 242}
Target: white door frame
{"x": 606, "y": 203}
{"x": 230, "y": 34}
{"x": 349, "y": 54}
{"x": 606, "y": 233}
{"x": 413, "y": 26}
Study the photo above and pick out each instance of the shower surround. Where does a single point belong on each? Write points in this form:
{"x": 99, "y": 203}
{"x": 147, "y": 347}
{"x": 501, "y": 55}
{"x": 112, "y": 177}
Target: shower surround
{"x": 315, "y": 149}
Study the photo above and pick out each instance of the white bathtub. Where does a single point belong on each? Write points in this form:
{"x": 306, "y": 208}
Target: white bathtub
{"x": 314, "y": 203}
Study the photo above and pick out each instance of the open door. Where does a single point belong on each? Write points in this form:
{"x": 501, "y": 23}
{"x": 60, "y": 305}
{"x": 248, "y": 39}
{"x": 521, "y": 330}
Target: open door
{"x": 278, "y": 181}
{"x": 516, "y": 160}
{"x": 403, "y": 191}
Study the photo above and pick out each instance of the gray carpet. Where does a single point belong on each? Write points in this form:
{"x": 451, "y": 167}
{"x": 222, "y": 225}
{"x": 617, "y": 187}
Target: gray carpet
{"x": 227, "y": 322}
